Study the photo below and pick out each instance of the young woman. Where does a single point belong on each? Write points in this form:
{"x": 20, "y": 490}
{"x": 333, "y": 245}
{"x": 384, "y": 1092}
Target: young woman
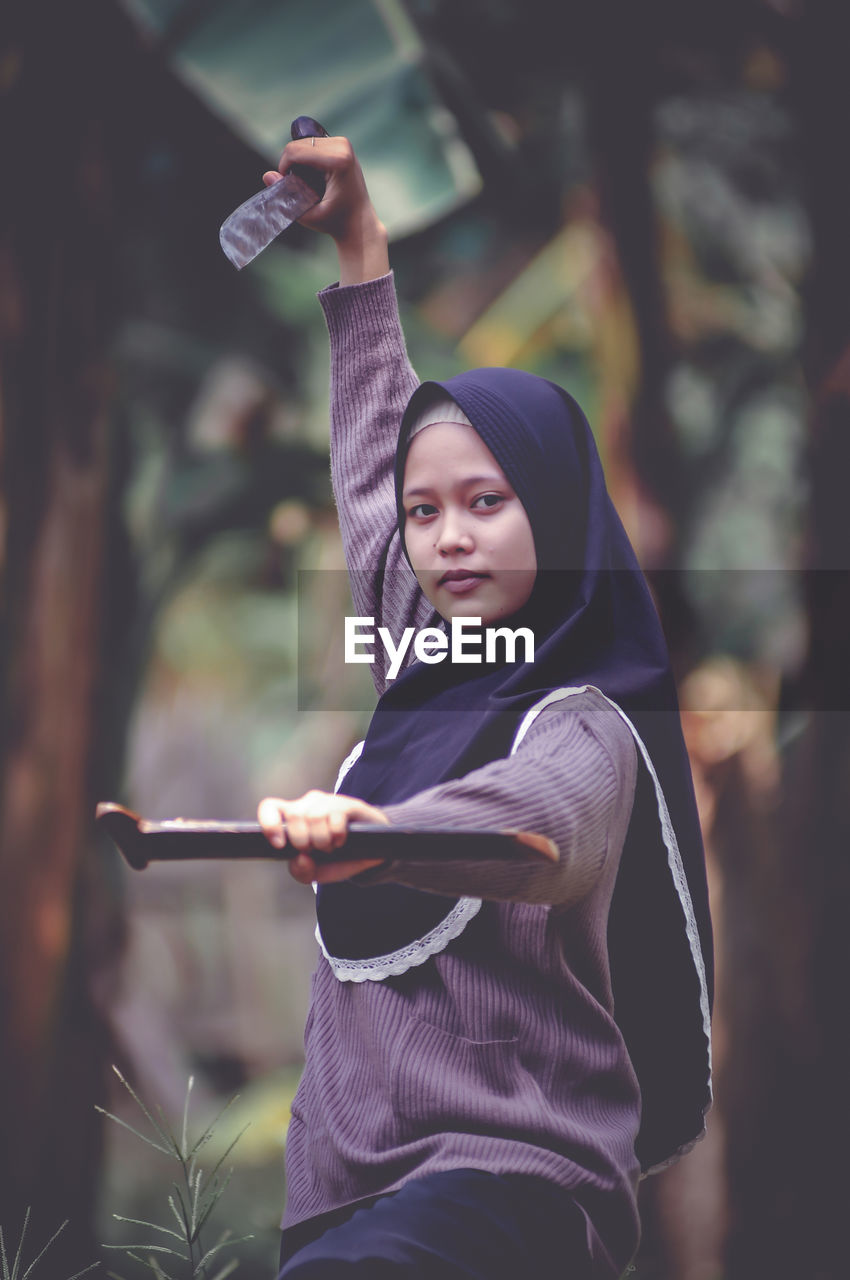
{"x": 494, "y": 1053}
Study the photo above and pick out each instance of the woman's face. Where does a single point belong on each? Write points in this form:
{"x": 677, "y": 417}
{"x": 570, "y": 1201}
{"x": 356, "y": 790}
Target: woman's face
{"x": 466, "y": 532}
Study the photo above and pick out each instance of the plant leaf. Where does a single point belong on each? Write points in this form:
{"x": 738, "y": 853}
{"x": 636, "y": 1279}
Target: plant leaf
{"x": 184, "y": 1144}
{"x": 183, "y": 1210}
{"x": 176, "y": 1213}
{"x": 214, "y": 1195}
{"x": 210, "y": 1253}
{"x": 208, "y": 1132}
{"x": 226, "y": 1270}
{"x": 154, "y": 1226}
{"x": 16, "y": 1264}
{"x": 169, "y": 1132}
{"x": 140, "y": 1104}
{"x": 159, "y": 1248}
{"x": 157, "y": 1269}
{"x": 156, "y": 1146}
{"x": 195, "y": 1189}
{"x": 152, "y": 1265}
{"x": 56, "y": 1233}
{"x": 220, "y": 1162}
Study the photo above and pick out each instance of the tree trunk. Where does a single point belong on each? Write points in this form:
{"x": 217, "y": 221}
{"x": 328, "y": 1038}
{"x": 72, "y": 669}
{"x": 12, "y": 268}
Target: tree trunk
{"x": 60, "y": 67}
{"x": 788, "y": 1141}
{"x": 788, "y": 1119}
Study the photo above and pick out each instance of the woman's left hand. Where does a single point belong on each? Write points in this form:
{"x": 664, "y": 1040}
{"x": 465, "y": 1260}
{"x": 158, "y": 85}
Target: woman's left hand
{"x": 317, "y": 820}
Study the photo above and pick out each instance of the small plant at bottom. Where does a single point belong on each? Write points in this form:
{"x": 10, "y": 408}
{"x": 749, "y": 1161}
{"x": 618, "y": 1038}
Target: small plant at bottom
{"x": 14, "y": 1272}
{"x": 192, "y": 1200}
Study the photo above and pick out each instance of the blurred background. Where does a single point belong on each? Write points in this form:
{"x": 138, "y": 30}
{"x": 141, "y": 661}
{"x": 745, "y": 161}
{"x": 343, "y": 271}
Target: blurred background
{"x": 647, "y": 202}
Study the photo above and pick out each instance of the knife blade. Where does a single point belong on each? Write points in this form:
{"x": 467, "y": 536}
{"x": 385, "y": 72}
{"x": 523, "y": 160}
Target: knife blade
{"x": 178, "y": 839}
{"x": 261, "y": 219}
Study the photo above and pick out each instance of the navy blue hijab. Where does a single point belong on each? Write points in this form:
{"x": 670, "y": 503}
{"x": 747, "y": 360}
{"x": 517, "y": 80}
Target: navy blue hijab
{"x": 595, "y": 624}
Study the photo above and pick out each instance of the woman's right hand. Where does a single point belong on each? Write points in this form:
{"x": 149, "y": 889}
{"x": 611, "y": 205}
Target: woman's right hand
{"x": 345, "y": 212}
{"x": 317, "y": 821}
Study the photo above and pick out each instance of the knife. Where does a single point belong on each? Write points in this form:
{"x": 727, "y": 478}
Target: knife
{"x": 258, "y": 221}
{"x": 178, "y": 839}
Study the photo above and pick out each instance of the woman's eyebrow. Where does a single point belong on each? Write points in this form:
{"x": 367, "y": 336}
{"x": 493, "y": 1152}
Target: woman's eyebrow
{"x": 486, "y": 479}
{"x": 463, "y": 483}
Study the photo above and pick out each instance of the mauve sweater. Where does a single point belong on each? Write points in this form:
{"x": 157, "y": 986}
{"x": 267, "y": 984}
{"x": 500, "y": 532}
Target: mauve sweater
{"x": 500, "y": 1052}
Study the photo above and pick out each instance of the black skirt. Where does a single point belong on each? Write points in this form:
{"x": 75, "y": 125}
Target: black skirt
{"x": 463, "y": 1224}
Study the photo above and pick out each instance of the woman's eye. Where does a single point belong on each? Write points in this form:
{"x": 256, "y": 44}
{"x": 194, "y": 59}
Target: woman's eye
{"x": 488, "y": 500}
{"x": 422, "y": 510}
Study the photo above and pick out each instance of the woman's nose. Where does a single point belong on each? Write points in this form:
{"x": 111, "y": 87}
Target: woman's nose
{"x": 453, "y": 537}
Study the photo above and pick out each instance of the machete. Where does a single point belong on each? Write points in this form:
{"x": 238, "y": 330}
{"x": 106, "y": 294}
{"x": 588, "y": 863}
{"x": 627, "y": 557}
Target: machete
{"x": 179, "y": 839}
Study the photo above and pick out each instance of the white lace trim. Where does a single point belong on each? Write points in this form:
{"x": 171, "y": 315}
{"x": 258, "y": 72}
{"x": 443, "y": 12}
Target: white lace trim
{"x": 684, "y": 1150}
{"x": 351, "y": 759}
{"x": 376, "y": 968}
{"x": 674, "y": 857}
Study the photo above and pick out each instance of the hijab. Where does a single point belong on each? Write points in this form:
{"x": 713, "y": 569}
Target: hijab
{"x": 595, "y": 624}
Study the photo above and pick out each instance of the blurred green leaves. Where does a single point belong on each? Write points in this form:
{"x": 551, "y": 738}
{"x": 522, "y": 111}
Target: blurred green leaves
{"x": 358, "y": 66}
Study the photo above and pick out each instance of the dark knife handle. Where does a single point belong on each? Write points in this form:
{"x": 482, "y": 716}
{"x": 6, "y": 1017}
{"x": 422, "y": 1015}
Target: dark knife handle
{"x": 307, "y": 127}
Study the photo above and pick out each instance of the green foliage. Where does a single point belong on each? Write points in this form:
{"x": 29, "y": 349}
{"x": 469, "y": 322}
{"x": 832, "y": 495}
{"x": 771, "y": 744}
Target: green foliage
{"x": 191, "y": 1200}
{"x": 14, "y": 1272}
{"x": 359, "y": 66}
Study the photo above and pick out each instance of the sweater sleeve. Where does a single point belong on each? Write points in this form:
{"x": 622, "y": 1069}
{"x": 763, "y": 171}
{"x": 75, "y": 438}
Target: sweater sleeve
{"x": 572, "y": 779}
{"x": 371, "y": 383}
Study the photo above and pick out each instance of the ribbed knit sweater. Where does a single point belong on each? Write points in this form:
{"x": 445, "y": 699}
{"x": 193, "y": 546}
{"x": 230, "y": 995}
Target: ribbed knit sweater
{"x": 499, "y": 1052}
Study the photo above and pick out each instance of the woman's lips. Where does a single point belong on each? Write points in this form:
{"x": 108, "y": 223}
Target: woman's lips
{"x": 461, "y": 581}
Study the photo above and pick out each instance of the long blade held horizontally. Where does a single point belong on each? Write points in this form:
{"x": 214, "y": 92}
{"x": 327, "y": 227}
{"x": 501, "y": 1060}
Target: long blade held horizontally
{"x": 257, "y": 222}
{"x": 142, "y": 842}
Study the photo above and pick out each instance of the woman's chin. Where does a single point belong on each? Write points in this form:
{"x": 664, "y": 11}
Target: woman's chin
{"x": 481, "y": 615}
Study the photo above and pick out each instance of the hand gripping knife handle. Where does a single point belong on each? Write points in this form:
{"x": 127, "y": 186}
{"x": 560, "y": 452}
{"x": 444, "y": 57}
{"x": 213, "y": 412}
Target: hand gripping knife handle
{"x": 258, "y": 221}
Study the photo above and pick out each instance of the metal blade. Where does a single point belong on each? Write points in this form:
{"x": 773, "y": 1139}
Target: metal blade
{"x": 257, "y": 222}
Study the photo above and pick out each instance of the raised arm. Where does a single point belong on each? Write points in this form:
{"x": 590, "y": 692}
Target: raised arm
{"x": 371, "y": 382}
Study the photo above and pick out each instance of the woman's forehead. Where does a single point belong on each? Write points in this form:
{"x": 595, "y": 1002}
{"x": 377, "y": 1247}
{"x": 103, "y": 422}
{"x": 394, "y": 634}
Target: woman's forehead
{"x": 448, "y": 451}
